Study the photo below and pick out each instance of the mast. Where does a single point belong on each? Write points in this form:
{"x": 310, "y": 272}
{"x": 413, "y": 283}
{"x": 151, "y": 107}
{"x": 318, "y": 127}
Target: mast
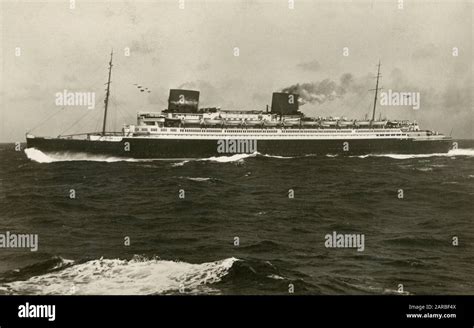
{"x": 376, "y": 90}
{"x": 106, "y": 101}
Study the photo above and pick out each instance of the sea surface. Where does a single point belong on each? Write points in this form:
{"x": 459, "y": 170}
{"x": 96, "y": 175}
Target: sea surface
{"x": 228, "y": 225}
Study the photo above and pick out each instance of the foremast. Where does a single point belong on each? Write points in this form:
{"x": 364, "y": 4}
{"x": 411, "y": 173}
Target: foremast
{"x": 106, "y": 101}
{"x": 376, "y": 93}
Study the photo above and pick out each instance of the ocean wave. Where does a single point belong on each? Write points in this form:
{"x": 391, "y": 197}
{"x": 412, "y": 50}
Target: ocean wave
{"x": 425, "y": 169}
{"x": 228, "y": 159}
{"x": 179, "y": 163}
{"x": 231, "y": 158}
{"x": 379, "y": 290}
{"x": 275, "y": 156}
{"x": 469, "y": 152}
{"x": 263, "y": 246}
{"x": 38, "y": 156}
{"x": 138, "y": 276}
{"x": 219, "y": 159}
{"x": 276, "y": 277}
{"x": 197, "y": 179}
{"x": 52, "y": 157}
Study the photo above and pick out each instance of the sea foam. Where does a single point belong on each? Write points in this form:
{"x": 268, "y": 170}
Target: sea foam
{"x": 469, "y": 152}
{"x": 51, "y": 157}
{"x": 137, "y": 276}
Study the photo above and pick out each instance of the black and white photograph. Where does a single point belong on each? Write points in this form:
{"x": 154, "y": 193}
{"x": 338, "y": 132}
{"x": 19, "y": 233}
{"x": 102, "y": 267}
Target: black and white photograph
{"x": 237, "y": 151}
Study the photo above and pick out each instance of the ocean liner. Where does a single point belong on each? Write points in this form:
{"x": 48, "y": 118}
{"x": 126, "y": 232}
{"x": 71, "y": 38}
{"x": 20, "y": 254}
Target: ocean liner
{"x": 184, "y": 130}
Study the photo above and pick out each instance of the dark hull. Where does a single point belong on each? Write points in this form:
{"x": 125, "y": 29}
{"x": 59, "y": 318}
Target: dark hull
{"x": 185, "y": 148}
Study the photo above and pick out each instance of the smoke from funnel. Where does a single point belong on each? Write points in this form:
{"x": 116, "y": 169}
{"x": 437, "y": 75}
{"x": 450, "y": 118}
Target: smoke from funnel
{"x": 322, "y": 91}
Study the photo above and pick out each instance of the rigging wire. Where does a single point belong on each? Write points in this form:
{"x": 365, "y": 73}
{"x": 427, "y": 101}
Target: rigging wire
{"x": 115, "y": 113}
{"x": 90, "y": 121}
{"x": 124, "y": 113}
{"x": 77, "y": 121}
{"x": 83, "y": 116}
{"x": 47, "y": 119}
{"x": 115, "y": 119}
{"x": 57, "y": 112}
{"x": 97, "y": 124}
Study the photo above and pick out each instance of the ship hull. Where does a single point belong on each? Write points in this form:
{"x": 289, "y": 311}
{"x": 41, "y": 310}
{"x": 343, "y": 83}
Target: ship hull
{"x": 200, "y": 148}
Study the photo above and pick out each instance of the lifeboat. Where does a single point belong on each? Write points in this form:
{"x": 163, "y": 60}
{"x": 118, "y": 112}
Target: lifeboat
{"x": 213, "y": 121}
{"x": 191, "y": 121}
{"x": 393, "y": 124}
{"x": 345, "y": 123}
{"x": 329, "y": 123}
{"x": 310, "y": 123}
{"x": 379, "y": 123}
{"x": 232, "y": 122}
{"x": 291, "y": 122}
{"x": 362, "y": 123}
{"x": 172, "y": 122}
{"x": 270, "y": 123}
{"x": 253, "y": 123}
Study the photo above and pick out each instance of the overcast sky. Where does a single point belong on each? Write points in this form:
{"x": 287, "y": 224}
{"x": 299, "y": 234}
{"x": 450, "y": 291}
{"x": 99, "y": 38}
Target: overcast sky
{"x": 63, "y": 48}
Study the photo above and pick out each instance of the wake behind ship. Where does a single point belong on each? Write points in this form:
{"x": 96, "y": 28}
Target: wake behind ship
{"x": 184, "y": 130}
